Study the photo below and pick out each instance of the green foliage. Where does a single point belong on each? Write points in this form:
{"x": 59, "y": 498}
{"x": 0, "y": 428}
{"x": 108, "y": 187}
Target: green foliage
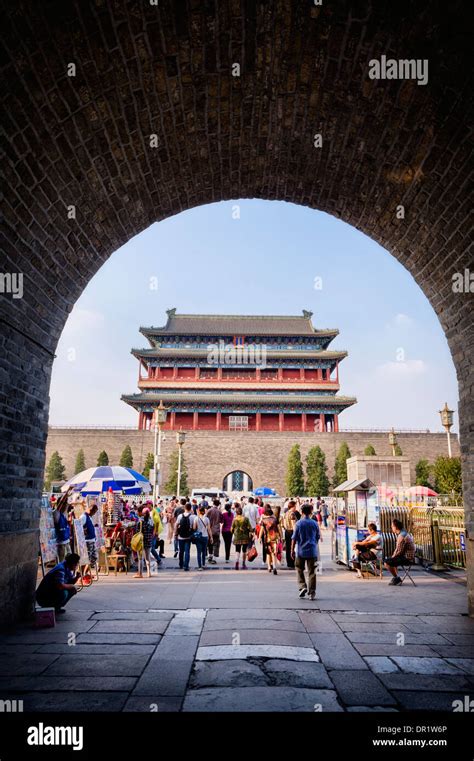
{"x": 317, "y": 481}
{"x": 149, "y": 463}
{"x": 80, "y": 462}
{"x": 447, "y": 475}
{"x": 423, "y": 471}
{"x": 294, "y": 473}
{"x": 340, "y": 466}
{"x": 55, "y": 470}
{"x": 126, "y": 458}
{"x": 171, "y": 486}
{"x": 398, "y": 450}
{"x": 369, "y": 451}
{"x": 103, "y": 458}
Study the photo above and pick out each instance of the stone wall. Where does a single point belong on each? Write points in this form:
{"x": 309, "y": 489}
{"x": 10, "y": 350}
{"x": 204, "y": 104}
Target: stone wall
{"x": 210, "y": 455}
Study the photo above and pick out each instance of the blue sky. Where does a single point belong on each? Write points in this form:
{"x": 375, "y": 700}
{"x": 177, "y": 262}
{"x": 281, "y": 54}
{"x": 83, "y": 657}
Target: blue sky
{"x": 277, "y": 258}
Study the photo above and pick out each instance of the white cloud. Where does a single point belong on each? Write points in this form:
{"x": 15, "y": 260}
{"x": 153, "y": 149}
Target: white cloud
{"x": 401, "y": 320}
{"x": 401, "y": 370}
{"x": 83, "y": 320}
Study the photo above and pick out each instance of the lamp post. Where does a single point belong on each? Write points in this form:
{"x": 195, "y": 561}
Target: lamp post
{"x": 160, "y": 419}
{"x": 180, "y": 437}
{"x": 392, "y": 438}
{"x": 447, "y": 422}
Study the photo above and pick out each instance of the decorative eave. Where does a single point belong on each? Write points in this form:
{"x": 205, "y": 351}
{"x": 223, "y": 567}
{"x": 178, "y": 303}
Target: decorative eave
{"x": 239, "y": 398}
{"x": 163, "y": 354}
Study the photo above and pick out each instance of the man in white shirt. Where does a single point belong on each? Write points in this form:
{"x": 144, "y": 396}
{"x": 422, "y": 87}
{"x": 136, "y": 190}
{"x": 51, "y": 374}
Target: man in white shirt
{"x": 251, "y": 512}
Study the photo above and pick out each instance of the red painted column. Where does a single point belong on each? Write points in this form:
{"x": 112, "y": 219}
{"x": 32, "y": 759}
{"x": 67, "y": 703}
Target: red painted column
{"x": 195, "y": 420}
{"x": 218, "y": 421}
{"x": 258, "y": 420}
{"x": 140, "y": 421}
{"x": 336, "y": 423}
{"x": 337, "y": 371}
{"x": 303, "y": 422}
{"x": 302, "y": 373}
{"x": 172, "y": 421}
{"x": 219, "y": 373}
{"x": 196, "y": 373}
{"x": 258, "y": 375}
{"x": 280, "y": 373}
{"x": 175, "y": 372}
{"x": 281, "y": 421}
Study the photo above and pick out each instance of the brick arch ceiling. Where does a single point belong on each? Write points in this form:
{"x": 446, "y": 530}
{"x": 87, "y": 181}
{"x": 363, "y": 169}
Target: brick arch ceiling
{"x": 166, "y": 70}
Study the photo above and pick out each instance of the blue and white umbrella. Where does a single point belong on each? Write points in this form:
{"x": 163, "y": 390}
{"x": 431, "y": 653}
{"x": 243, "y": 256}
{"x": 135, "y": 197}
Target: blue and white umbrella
{"x": 264, "y": 491}
{"x": 105, "y": 477}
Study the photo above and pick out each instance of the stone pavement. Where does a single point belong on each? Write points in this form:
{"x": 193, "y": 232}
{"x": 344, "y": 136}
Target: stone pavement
{"x": 224, "y": 640}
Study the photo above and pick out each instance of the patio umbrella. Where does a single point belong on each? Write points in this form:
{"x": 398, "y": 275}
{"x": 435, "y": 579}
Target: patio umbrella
{"x": 264, "y": 491}
{"x": 105, "y": 477}
{"x": 422, "y": 491}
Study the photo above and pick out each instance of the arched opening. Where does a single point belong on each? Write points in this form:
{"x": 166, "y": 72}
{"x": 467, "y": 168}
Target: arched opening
{"x": 237, "y": 480}
{"x": 98, "y": 152}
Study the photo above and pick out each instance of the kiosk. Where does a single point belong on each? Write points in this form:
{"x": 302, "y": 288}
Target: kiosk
{"x": 355, "y": 510}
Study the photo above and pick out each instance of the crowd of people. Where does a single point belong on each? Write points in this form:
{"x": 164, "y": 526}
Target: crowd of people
{"x": 293, "y": 530}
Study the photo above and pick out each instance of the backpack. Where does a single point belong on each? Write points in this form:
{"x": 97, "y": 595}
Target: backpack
{"x": 184, "y": 528}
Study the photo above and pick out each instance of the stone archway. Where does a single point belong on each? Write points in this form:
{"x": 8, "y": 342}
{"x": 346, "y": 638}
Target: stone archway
{"x": 237, "y": 480}
{"x": 119, "y": 115}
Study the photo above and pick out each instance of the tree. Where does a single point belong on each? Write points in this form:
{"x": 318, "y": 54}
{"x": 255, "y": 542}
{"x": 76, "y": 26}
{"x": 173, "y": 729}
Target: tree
{"x": 103, "y": 458}
{"x": 55, "y": 470}
{"x": 398, "y": 450}
{"x": 340, "y": 466}
{"x": 126, "y": 458}
{"x": 80, "y": 462}
{"x": 171, "y": 486}
{"x": 369, "y": 451}
{"x": 149, "y": 464}
{"x": 447, "y": 474}
{"x": 317, "y": 481}
{"x": 423, "y": 472}
{"x": 294, "y": 473}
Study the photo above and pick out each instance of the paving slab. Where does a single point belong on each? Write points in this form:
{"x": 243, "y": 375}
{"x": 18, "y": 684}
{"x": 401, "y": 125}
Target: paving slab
{"x": 381, "y": 664}
{"x": 153, "y": 704}
{"x": 377, "y": 627}
{"x": 360, "y": 688}
{"x": 371, "y": 709}
{"x": 233, "y": 673}
{"x": 130, "y": 627}
{"x": 51, "y": 702}
{"x": 19, "y": 648}
{"x": 82, "y": 664}
{"x": 420, "y": 651}
{"x": 255, "y": 637}
{"x": 134, "y": 615}
{"x": 430, "y": 638}
{"x": 431, "y": 666}
{"x": 105, "y": 649}
{"x": 369, "y": 618}
{"x": 169, "y": 667}
{"x": 67, "y": 684}
{"x": 28, "y": 664}
{"x": 336, "y": 652}
{"x": 129, "y": 638}
{"x": 453, "y": 651}
{"x": 291, "y": 699}
{"x": 187, "y": 623}
{"x": 430, "y": 701}
{"x": 276, "y": 614}
{"x": 316, "y": 622}
{"x": 425, "y": 682}
{"x": 223, "y": 652}
{"x": 462, "y": 640}
{"x": 464, "y": 664}
{"x": 453, "y": 624}
{"x": 240, "y": 624}
{"x": 288, "y": 673}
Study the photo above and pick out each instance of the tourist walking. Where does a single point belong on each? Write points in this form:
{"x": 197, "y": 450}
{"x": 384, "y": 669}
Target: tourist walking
{"x": 250, "y": 511}
{"x": 178, "y": 510}
{"x": 62, "y": 528}
{"x": 171, "y": 519}
{"x": 146, "y": 527}
{"x": 270, "y": 537}
{"x": 227, "y": 519}
{"x": 89, "y": 536}
{"x": 185, "y": 527}
{"x": 202, "y": 535}
{"x": 290, "y": 517}
{"x": 214, "y": 515}
{"x": 305, "y": 551}
{"x": 325, "y": 513}
{"x": 242, "y": 534}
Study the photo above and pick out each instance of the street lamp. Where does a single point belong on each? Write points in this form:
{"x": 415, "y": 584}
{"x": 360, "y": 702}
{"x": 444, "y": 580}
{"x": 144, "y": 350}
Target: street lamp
{"x": 392, "y": 438}
{"x": 180, "y": 437}
{"x": 161, "y": 413}
{"x": 447, "y": 422}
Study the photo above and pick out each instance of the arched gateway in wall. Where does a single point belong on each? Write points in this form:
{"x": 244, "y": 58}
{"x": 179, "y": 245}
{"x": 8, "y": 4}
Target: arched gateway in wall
{"x": 237, "y": 480}
{"x": 121, "y": 114}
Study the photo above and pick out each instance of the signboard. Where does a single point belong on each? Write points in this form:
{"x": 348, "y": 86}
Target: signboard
{"x": 462, "y": 541}
{"x": 81, "y": 547}
{"x": 47, "y": 533}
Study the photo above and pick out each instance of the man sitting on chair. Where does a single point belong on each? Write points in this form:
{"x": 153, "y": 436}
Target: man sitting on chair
{"x": 404, "y": 552}
{"x": 368, "y": 550}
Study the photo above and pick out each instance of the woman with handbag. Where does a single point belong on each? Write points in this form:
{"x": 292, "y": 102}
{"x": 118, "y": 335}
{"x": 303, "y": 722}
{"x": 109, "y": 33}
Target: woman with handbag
{"x": 202, "y": 535}
{"x": 271, "y": 538}
{"x": 242, "y": 533}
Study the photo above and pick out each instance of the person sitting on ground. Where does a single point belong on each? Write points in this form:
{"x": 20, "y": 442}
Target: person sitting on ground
{"x": 404, "y": 552}
{"x": 58, "y": 586}
{"x": 368, "y": 550}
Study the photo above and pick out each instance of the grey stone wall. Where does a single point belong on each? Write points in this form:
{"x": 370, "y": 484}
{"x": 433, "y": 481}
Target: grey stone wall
{"x": 211, "y": 455}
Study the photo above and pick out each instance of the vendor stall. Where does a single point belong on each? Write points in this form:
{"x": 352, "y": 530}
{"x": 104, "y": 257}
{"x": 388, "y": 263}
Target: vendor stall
{"x": 355, "y": 510}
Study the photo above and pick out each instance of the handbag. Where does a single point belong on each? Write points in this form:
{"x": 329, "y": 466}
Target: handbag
{"x": 252, "y": 553}
{"x": 279, "y": 551}
{"x": 137, "y": 540}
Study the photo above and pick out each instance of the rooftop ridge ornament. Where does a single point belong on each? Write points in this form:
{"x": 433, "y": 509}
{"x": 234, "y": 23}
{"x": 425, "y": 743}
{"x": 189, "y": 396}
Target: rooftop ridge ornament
{"x": 171, "y": 312}
{"x": 307, "y": 315}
